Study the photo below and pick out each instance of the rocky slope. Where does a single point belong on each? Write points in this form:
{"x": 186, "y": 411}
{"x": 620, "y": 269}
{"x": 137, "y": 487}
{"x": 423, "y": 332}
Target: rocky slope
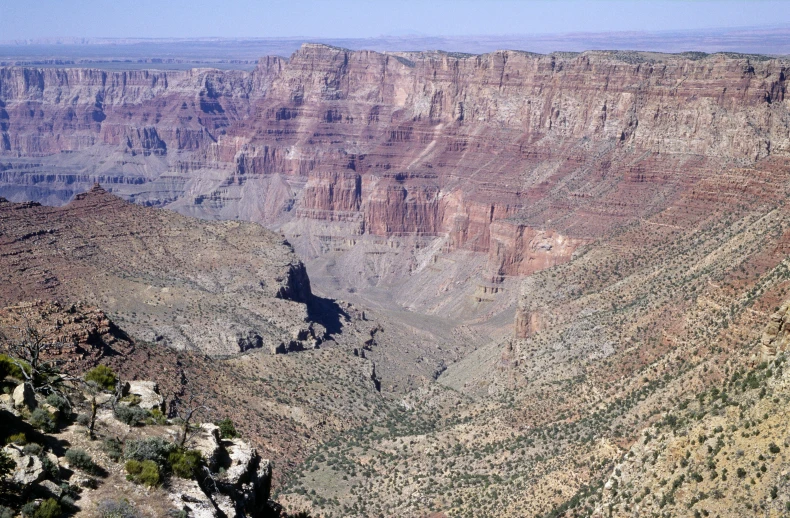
{"x": 160, "y": 274}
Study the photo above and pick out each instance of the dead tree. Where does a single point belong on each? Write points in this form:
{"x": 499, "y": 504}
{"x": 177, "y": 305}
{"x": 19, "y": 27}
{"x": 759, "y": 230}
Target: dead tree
{"x": 29, "y": 350}
{"x": 187, "y": 408}
{"x": 93, "y": 390}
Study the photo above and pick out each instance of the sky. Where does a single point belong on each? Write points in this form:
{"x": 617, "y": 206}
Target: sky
{"x": 32, "y": 19}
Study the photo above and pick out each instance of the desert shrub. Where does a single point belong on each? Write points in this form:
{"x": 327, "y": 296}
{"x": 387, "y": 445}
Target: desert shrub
{"x": 103, "y": 376}
{"x": 773, "y": 448}
{"x": 116, "y": 509}
{"x": 81, "y": 459}
{"x": 60, "y": 403}
{"x": 43, "y": 420}
{"x": 84, "y": 420}
{"x": 113, "y": 448}
{"x": 145, "y": 472}
{"x": 51, "y": 468}
{"x": 49, "y": 508}
{"x": 5, "y": 512}
{"x": 156, "y": 416}
{"x": 227, "y": 429}
{"x": 130, "y": 415}
{"x": 20, "y": 439}
{"x": 156, "y": 449}
{"x": 31, "y": 449}
{"x": 177, "y": 513}
{"x": 28, "y": 509}
{"x": 185, "y": 463}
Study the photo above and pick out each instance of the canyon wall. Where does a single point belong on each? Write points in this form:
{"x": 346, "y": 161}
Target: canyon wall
{"x": 519, "y": 157}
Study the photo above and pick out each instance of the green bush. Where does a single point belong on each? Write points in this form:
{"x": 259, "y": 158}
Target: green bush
{"x": 185, "y": 463}
{"x": 227, "y": 429}
{"x": 5, "y": 512}
{"x": 7, "y": 368}
{"x": 20, "y": 439}
{"x": 81, "y": 459}
{"x": 103, "y": 376}
{"x": 156, "y": 416}
{"x": 60, "y": 403}
{"x": 145, "y": 472}
{"x": 49, "y": 508}
{"x": 43, "y": 420}
{"x": 130, "y": 415}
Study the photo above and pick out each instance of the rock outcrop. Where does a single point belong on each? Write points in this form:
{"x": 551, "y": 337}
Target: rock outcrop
{"x": 29, "y": 469}
{"x": 148, "y": 392}
{"x": 775, "y": 338}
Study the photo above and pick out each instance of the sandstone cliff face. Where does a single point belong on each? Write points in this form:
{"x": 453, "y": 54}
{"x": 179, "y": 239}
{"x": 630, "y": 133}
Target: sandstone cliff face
{"x": 518, "y": 156}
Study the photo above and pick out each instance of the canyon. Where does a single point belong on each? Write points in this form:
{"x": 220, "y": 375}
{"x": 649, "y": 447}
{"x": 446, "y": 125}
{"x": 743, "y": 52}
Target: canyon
{"x": 392, "y": 162}
{"x": 517, "y": 262}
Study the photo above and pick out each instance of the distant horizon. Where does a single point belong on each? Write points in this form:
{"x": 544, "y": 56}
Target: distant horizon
{"x": 243, "y": 52}
{"x": 92, "y": 40}
{"x": 360, "y": 19}
{"x": 307, "y": 38}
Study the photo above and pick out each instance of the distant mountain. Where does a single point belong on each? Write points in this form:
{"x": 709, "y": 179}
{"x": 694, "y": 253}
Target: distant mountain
{"x": 243, "y": 52}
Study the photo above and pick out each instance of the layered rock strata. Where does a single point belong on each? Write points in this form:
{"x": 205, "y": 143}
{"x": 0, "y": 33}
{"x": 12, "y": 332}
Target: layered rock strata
{"x": 516, "y": 156}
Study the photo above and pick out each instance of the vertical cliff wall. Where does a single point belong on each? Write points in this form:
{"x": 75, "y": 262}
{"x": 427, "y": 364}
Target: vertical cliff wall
{"x": 517, "y": 156}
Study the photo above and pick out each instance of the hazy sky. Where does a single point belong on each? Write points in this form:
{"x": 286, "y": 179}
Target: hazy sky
{"x": 23, "y": 19}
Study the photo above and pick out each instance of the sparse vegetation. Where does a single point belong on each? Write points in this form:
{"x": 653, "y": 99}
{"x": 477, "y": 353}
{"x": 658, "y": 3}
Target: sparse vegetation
{"x": 80, "y": 459}
{"x": 103, "y": 376}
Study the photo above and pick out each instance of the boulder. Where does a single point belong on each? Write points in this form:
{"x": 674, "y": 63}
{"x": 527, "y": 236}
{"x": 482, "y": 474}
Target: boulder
{"x": 241, "y": 456}
{"x": 48, "y": 488}
{"x": 225, "y": 504}
{"x": 29, "y": 468}
{"x": 7, "y": 401}
{"x": 148, "y": 392}
{"x": 187, "y": 495}
{"x": 24, "y": 396}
